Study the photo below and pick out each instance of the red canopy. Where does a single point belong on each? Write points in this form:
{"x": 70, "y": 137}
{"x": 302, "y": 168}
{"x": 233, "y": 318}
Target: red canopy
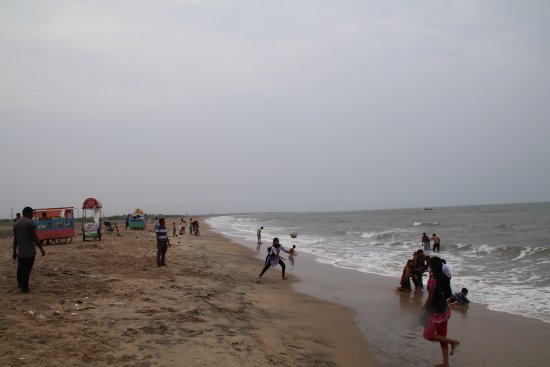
{"x": 91, "y": 203}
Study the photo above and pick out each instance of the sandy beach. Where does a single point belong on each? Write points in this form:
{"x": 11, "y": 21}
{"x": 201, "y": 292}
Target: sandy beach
{"x": 107, "y": 303}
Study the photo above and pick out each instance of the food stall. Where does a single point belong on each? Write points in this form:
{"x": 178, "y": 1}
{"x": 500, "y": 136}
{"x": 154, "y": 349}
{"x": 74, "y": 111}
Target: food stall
{"x": 54, "y": 225}
{"x": 91, "y": 219}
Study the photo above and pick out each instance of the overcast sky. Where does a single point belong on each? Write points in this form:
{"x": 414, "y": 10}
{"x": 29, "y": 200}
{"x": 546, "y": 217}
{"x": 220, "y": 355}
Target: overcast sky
{"x": 249, "y": 106}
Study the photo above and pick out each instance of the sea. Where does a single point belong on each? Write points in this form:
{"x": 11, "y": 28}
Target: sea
{"x": 501, "y": 253}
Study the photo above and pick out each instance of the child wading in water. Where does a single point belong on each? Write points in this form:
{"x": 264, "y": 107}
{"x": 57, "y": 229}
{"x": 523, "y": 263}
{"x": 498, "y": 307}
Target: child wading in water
{"x": 273, "y": 258}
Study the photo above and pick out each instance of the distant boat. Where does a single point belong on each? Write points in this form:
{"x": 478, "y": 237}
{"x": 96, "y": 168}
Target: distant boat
{"x": 427, "y": 208}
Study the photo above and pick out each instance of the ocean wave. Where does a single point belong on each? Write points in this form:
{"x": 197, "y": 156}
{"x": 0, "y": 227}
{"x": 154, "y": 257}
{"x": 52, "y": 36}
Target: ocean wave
{"x": 393, "y": 233}
{"x": 427, "y": 224}
{"x": 368, "y": 234}
{"x": 511, "y": 253}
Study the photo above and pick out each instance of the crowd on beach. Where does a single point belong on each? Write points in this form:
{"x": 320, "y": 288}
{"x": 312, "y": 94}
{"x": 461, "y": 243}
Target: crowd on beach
{"x": 25, "y": 239}
{"x": 419, "y": 265}
{"x": 437, "y": 308}
{"x": 163, "y": 242}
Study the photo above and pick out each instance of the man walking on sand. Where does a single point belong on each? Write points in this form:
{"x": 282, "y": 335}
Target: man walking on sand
{"x": 24, "y": 241}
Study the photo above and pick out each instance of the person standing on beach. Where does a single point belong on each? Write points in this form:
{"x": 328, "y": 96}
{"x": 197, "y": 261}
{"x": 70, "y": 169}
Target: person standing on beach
{"x": 174, "y": 230}
{"x": 163, "y": 242}
{"x": 183, "y": 224}
{"x": 437, "y": 243}
{"x": 191, "y": 226}
{"x": 24, "y": 241}
{"x": 439, "y": 288}
{"x": 195, "y": 227}
{"x": 259, "y": 234}
{"x": 274, "y": 258}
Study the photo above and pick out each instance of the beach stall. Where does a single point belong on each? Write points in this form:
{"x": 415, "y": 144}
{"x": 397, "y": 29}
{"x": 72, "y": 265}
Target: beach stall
{"x": 91, "y": 219}
{"x": 54, "y": 225}
{"x": 136, "y": 220}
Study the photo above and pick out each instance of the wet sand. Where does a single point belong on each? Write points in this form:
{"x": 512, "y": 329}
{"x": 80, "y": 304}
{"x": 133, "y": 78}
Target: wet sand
{"x": 390, "y": 322}
{"x": 107, "y": 303}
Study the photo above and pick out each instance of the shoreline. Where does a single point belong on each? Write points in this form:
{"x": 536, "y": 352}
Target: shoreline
{"x": 389, "y": 321}
{"x": 106, "y": 302}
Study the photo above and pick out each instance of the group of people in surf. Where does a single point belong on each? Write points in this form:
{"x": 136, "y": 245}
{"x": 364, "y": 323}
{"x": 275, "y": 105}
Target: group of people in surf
{"x": 414, "y": 270}
{"x": 427, "y": 240}
{"x": 436, "y": 310}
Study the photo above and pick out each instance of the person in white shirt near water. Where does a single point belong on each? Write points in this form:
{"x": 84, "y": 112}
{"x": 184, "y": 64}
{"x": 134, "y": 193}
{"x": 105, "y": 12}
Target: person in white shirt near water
{"x": 274, "y": 258}
{"x": 259, "y": 234}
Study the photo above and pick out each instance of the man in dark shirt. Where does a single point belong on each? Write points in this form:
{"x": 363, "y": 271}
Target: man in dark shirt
{"x": 163, "y": 242}
{"x": 24, "y": 241}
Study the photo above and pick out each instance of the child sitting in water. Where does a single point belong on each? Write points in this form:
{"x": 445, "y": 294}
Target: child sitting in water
{"x": 459, "y": 299}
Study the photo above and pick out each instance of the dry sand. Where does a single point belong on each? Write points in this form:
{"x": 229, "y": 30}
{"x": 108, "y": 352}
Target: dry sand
{"x": 106, "y": 303}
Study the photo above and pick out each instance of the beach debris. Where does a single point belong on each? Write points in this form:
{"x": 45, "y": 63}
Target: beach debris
{"x": 31, "y": 313}
{"x": 56, "y": 313}
{"x": 41, "y": 317}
